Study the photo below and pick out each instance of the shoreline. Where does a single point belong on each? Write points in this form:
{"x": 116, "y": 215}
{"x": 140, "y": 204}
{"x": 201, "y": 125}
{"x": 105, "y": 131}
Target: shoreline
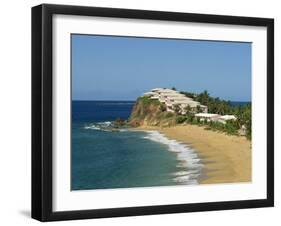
{"x": 226, "y": 158}
{"x": 189, "y": 164}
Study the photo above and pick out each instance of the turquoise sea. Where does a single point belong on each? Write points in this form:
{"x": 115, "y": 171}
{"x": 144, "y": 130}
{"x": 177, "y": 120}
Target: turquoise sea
{"x": 102, "y": 159}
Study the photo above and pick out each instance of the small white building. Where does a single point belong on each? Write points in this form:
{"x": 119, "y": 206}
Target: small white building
{"x": 224, "y": 118}
{"x": 215, "y": 117}
{"x": 228, "y": 117}
{"x": 207, "y": 116}
{"x": 149, "y": 94}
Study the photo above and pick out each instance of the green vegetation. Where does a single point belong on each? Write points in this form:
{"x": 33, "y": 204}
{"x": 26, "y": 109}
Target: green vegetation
{"x": 222, "y": 107}
{"x": 169, "y": 115}
{"x": 163, "y": 107}
{"x": 148, "y": 101}
{"x": 152, "y": 112}
{"x": 198, "y": 109}
{"x": 177, "y": 109}
{"x": 230, "y": 127}
{"x": 191, "y": 95}
{"x": 181, "y": 119}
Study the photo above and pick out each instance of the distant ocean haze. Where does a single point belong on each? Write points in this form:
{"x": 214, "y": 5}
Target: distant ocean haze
{"x": 239, "y": 103}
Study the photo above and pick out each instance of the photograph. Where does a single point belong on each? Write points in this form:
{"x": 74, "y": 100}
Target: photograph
{"x": 141, "y": 112}
{"x": 149, "y": 111}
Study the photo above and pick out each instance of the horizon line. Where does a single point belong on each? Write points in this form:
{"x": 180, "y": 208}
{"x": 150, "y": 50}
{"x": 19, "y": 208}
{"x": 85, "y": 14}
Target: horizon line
{"x": 105, "y": 100}
{"x": 135, "y": 100}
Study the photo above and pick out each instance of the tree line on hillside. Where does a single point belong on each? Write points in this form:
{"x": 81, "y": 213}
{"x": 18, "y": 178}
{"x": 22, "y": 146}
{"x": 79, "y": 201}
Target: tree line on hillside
{"x": 215, "y": 105}
{"x": 222, "y": 107}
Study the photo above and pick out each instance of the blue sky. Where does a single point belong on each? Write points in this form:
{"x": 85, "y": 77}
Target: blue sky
{"x": 122, "y": 68}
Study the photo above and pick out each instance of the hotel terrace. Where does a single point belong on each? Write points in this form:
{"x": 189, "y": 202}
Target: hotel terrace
{"x": 172, "y": 98}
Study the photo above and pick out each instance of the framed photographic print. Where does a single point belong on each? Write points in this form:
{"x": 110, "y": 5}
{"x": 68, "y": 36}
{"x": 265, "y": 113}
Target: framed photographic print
{"x": 145, "y": 112}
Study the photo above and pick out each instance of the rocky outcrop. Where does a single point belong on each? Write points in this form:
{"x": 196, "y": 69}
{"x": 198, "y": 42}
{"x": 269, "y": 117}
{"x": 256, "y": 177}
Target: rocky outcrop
{"x": 149, "y": 112}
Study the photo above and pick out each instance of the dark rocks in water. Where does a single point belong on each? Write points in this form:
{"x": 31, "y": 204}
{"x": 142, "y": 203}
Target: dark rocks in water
{"x": 119, "y": 122}
{"x": 135, "y": 123}
{"x": 111, "y": 129}
{"x": 115, "y": 130}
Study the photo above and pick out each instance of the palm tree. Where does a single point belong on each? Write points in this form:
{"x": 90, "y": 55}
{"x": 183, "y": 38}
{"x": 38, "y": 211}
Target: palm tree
{"x": 198, "y": 109}
{"x": 187, "y": 110}
{"x": 204, "y": 98}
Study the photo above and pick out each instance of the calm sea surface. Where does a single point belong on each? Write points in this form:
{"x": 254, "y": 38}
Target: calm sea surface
{"x": 104, "y": 159}
{"x": 239, "y": 103}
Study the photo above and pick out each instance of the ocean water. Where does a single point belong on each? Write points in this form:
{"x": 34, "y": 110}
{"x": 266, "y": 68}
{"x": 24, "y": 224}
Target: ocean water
{"x": 102, "y": 158}
{"x": 239, "y": 103}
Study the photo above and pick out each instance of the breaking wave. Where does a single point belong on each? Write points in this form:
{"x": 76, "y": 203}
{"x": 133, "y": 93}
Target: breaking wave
{"x": 104, "y": 126}
{"x": 189, "y": 162}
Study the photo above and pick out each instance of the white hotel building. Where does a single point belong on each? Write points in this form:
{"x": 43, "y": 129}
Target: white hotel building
{"x": 172, "y": 98}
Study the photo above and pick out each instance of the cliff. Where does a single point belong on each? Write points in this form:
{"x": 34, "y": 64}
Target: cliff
{"x": 149, "y": 112}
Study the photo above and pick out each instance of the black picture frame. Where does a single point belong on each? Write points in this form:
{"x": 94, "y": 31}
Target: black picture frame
{"x": 42, "y": 111}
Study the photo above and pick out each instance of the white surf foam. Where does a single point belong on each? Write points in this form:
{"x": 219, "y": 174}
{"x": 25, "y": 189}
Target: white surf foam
{"x": 94, "y": 127}
{"x": 103, "y": 126}
{"x": 187, "y": 157}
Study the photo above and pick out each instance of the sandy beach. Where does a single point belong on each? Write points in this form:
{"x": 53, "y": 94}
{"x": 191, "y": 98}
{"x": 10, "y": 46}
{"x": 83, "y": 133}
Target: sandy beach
{"x": 226, "y": 158}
